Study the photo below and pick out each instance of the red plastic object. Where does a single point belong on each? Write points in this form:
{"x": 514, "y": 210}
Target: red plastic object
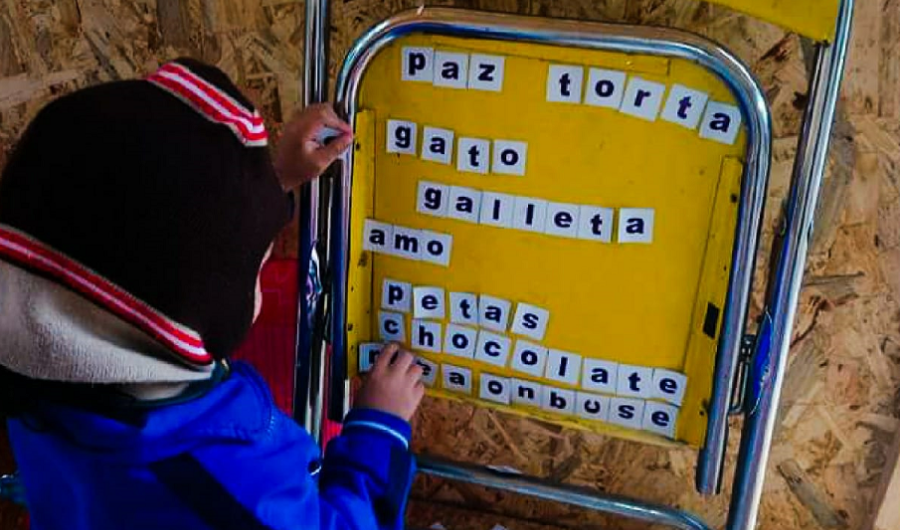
{"x": 270, "y": 345}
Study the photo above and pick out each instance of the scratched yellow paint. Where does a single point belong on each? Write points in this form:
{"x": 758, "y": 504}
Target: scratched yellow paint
{"x": 812, "y": 18}
{"x": 628, "y": 303}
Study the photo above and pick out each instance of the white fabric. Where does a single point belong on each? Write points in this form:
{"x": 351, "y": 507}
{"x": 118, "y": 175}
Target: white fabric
{"x": 51, "y": 333}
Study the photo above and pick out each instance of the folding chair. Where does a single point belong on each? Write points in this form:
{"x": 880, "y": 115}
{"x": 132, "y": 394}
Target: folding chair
{"x": 745, "y": 370}
{"x": 399, "y": 79}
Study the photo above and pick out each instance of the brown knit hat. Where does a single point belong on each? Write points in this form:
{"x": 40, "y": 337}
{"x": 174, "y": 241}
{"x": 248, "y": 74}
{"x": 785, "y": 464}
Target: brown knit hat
{"x": 156, "y": 199}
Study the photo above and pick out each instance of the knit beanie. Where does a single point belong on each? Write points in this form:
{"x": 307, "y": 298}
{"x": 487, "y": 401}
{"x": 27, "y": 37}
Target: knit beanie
{"x": 155, "y": 199}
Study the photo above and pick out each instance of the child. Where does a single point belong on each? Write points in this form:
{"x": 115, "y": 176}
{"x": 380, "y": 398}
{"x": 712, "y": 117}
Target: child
{"x": 134, "y": 219}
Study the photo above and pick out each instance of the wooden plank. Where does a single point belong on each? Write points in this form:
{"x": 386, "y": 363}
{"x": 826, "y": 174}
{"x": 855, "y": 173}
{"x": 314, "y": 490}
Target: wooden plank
{"x": 810, "y": 495}
{"x": 886, "y": 505}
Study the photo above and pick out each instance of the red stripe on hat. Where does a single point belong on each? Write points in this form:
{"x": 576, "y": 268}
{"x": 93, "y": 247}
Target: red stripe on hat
{"x": 26, "y": 251}
{"x": 212, "y": 103}
{"x": 182, "y": 89}
{"x": 214, "y": 92}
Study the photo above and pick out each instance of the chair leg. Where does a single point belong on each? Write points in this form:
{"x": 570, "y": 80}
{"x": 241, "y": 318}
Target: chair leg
{"x": 573, "y": 495}
{"x": 768, "y": 371}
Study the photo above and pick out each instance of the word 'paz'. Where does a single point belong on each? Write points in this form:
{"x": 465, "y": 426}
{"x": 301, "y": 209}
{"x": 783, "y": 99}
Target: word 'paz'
{"x": 452, "y": 69}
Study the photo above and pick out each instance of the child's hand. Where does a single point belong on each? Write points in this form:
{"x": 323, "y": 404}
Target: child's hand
{"x": 301, "y": 157}
{"x": 393, "y": 387}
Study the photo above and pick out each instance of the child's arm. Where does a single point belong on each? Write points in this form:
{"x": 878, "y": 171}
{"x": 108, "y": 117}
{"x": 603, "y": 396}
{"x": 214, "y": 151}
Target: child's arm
{"x": 369, "y": 468}
{"x": 254, "y": 468}
{"x": 311, "y": 141}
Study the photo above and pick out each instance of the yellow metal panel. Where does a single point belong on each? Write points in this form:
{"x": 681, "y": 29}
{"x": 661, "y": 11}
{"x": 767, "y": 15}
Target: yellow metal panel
{"x": 812, "y": 18}
{"x": 628, "y": 303}
{"x": 359, "y": 290}
{"x": 713, "y": 286}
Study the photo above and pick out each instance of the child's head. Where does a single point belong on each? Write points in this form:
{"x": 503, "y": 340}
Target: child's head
{"x": 155, "y": 199}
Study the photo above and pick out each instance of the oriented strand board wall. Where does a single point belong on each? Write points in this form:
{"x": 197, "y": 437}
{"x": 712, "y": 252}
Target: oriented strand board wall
{"x": 841, "y": 405}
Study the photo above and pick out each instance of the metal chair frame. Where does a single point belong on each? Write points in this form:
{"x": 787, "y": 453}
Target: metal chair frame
{"x": 750, "y": 367}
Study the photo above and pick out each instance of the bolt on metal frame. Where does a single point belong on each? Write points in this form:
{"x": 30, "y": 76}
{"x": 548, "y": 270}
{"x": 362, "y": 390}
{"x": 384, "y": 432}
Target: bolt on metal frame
{"x": 767, "y": 365}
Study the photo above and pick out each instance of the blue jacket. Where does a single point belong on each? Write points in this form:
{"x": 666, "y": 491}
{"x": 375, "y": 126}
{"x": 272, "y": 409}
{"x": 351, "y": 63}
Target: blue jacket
{"x": 226, "y": 460}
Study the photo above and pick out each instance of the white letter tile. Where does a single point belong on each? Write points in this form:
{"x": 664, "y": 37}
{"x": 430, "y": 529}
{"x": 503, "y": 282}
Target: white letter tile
{"x": 497, "y": 209}
{"x": 558, "y": 400}
{"x": 530, "y": 321}
{"x": 636, "y": 225}
{"x": 428, "y": 302}
{"x": 493, "y": 313}
{"x": 396, "y": 296}
{"x": 486, "y": 72}
{"x": 429, "y": 371}
{"x": 529, "y": 358}
{"x": 426, "y": 336}
{"x": 432, "y": 198}
{"x": 437, "y": 145}
{"x": 509, "y": 157}
{"x": 377, "y": 236}
{"x": 526, "y": 393}
{"x": 563, "y": 366}
{"x": 642, "y": 98}
{"x": 460, "y": 341}
{"x": 418, "y": 64}
{"x": 457, "y": 379}
{"x": 492, "y": 348}
{"x": 626, "y": 412}
{"x": 595, "y": 223}
{"x": 451, "y": 69}
{"x": 635, "y": 381}
{"x": 529, "y": 214}
{"x": 436, "y": 248}
{"x": 494, "y": 388}
{"x": 592, "y": 406}
{"x": 465, "y": 204}
{"x": 669, "y": 386}
{"x": 660, "y": 418}
{"x": 721, "y": 122}
{"x": 464, "y": 308}
{"x": 604, "y": 88}
{"x": 684, "y": 106}
{"x": 600, "y": 376}
{"x": 564, "y": 83}
{"x": 401, "y": 137}
{"x": 407, "y": 243}
{"x": 368, "y": 352}
{"x": 473, "y": 155}
{"x": 562, "y": 219}
{"x": 391, "y": 327}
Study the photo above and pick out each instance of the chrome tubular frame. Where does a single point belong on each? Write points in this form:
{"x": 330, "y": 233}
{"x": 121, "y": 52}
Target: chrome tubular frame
{"x": 610, "y": 37}
{"x": 769, "y": 368}
{"x": 572, "y": 495}
{"x": 309, "y": 358}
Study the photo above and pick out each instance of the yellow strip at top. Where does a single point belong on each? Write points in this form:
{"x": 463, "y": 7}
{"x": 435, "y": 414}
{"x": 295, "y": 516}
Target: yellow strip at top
{"x": 811, "y": 18}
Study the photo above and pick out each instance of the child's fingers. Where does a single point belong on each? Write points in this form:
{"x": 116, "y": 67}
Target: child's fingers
{"x": 415, "y": 371}
{"x": 404, "y": 359}
{"x": 384, "y": 358}
{"x": 329, "y": 152}
{"x": 321, "y": 115}
{"x": 418, "y": 392}
{"x": 330, "y": 118}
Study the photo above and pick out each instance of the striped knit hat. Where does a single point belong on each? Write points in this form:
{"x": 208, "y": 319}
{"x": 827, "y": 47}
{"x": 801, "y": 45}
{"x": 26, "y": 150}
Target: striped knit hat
{"x": 156, "y": 199}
